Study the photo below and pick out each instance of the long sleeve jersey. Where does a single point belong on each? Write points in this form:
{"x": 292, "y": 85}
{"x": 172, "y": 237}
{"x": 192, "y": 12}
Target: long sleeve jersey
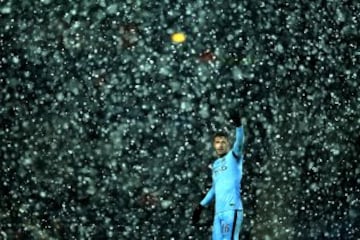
{"x": 226, "y": 178}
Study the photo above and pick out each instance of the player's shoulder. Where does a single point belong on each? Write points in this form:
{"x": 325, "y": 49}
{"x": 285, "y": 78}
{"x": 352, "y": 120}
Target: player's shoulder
{"x": 230, "y": 155}
{"x": 233, "y": 156}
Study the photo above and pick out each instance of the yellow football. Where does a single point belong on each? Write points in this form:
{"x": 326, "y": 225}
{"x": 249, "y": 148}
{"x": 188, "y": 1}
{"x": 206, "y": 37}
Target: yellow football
{"x": 178, "y": 37}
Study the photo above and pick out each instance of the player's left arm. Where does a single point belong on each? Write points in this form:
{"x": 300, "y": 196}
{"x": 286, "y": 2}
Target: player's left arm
{"x": 238, "y": 145}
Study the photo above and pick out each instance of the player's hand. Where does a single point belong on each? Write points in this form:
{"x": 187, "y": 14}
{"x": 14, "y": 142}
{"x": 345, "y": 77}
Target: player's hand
{"x": 235, "y": 116}
{"x": 196, "y": 214}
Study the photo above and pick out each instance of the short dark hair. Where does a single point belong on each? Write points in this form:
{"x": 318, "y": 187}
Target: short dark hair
{"x": 220, "y": 134}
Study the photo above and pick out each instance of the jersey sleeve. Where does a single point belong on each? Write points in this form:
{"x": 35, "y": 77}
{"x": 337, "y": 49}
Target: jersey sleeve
{"x": 208, "y": 197}
{"x": 239, "y": 142}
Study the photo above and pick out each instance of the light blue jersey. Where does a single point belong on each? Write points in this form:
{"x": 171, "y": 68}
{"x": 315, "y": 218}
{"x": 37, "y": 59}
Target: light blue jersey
{"x": 226, "y": 178}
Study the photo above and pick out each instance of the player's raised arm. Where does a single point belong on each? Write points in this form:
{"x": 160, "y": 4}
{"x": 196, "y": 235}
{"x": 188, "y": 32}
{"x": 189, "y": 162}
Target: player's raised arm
{"x": 237, "y": 149}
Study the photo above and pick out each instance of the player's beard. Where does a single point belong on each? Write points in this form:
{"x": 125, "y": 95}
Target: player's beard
{"x": 221, "y": 152}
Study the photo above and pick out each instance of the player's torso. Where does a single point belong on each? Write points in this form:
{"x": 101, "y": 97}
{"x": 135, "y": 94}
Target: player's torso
{"x": 227, "y": 174}
{"x": 226, "y": 169}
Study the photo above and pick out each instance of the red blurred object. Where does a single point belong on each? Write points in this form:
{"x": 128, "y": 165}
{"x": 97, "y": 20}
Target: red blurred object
{"x": 207, "y": 56}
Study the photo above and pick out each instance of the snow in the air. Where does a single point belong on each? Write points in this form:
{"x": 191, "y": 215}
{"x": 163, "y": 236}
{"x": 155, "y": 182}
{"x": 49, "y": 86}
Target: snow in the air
{"x": 106, "y": 123}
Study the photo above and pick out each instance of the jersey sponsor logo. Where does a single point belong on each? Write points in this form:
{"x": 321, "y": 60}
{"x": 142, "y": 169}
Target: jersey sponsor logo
{"x": 219, "y": 169}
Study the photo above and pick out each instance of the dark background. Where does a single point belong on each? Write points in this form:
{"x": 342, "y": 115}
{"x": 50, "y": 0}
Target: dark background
{"x": 106, "y": 124}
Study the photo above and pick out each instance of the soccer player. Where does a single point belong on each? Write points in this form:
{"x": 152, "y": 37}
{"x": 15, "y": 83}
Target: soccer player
{"x": 226, "y": 184}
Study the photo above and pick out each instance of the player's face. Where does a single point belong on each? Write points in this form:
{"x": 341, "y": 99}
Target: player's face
{"x": 221, "y": 145}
